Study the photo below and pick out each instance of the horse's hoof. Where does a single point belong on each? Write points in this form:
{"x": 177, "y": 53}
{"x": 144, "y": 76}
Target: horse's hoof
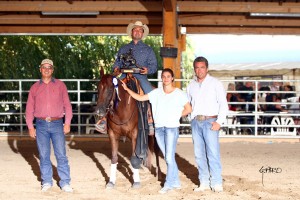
{"x": 110, "y": 185}
{"x": 136, "y": 185}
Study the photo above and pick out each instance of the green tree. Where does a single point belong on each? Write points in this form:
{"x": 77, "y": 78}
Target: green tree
{"x": 187, "y": 68}
{"x": 74, "y": 56}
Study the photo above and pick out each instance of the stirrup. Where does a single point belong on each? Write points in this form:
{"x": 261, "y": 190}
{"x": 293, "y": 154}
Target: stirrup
{"x": 101, "y": 126}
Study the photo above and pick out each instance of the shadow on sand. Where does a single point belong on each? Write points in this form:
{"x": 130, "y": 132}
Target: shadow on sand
{"x": 103, "y": 147}
{"x": 28, "y": 150}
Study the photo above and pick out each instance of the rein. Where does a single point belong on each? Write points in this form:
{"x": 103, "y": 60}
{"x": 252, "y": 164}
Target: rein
{"x": 110, "y": 109}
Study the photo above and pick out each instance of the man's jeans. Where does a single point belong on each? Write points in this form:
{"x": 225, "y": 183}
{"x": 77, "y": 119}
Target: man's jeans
{"x": 144, "y": 82}
{"x": 167, "y": 140}
{"x": 46, "y": 131}
{"x": 207, "y": 152}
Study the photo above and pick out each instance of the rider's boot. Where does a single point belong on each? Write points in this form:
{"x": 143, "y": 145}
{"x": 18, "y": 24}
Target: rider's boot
{"x": 101, "y": 125}
{"x": 150, "y": 121}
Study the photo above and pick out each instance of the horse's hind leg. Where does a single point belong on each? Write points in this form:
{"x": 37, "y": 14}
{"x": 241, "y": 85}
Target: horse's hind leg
{"x": 153, "y": 148}
{"x": 148, "y": 161}
{"x": 157, "y": 152}
{"x": 114, "y": 162}
{"x": 136, "y": 176}
{"x": 136, "y": 179}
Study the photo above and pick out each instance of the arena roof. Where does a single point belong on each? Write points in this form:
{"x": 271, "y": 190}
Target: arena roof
{"x": 112, "y": 17}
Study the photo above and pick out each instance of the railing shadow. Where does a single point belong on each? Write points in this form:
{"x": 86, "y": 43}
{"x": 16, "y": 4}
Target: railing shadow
{"x": 28, "y": 150}
{"x": 90, "y": 148}
{"x": 188, "y": 169}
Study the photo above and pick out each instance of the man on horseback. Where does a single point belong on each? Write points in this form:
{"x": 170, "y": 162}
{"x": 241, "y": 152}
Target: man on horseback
{"x": 144, "y": 60}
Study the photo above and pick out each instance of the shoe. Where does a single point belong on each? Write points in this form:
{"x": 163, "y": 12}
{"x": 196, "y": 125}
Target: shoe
{"x": 101, "y": 126}
{"x": 177, "y": 187}
{"x": 46, "y": 187}
{"x": 218, "y": 188}
{"x": 164, "y": 190}
{"x": 67, "y": 188}
{"x": 202, "y": 188}
{"x": 151, "y": 129}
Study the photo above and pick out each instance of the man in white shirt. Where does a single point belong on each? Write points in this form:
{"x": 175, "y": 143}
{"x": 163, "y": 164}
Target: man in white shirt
{"x": 209, "y": 109}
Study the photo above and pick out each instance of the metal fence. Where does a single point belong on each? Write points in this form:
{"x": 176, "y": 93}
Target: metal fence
{"x": 83, "y": 95}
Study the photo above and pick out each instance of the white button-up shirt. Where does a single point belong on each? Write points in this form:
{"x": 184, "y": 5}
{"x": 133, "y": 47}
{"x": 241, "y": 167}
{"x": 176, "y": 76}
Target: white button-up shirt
{"x": 208, "y": 98}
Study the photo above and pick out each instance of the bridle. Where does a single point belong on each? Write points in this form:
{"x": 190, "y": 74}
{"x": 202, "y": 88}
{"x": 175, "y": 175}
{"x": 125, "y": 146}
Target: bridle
{"x": 110, "y": 109}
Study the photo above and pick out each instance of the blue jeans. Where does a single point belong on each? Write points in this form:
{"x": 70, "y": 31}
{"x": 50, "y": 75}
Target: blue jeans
{"x": 145, "y": 84}
{"x": 46, "y": 131}
{"x": 167, "y": 140}
{"x": 207, "y": 152}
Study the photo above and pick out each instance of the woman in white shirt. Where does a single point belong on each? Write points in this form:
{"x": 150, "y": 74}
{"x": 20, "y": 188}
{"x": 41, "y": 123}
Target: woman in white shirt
{"x": 168, "y": 105}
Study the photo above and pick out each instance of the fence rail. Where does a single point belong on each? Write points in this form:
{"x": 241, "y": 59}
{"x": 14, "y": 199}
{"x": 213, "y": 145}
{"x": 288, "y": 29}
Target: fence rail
{"x": 82, "y": 92}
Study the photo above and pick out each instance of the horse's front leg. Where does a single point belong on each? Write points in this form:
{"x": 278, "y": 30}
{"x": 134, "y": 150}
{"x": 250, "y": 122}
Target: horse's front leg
{"x": 135, "y": 163}
{"x": 114, "y": 162}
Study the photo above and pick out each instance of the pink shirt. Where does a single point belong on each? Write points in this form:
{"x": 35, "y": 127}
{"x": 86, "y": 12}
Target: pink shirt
{"x": 48, "y": 100}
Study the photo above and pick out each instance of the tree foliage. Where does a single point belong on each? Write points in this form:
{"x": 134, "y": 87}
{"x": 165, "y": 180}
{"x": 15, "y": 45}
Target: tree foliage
{"x": 187, "y": 63}
{"x": 74, "y": 56}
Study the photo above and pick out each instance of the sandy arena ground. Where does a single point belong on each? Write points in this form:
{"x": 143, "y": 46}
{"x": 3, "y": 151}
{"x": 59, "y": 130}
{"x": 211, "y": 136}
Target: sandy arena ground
{"x": 247, "y": 172}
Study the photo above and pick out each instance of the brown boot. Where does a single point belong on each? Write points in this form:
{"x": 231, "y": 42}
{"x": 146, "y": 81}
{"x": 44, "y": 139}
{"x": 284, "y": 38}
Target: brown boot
{"x": 150, "y": 120}
{"x": 101, "y": 125}
{"x": 151, "y": 129}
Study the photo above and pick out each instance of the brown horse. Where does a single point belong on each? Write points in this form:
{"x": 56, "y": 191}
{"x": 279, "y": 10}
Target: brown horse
{"x": 122, "y": 114}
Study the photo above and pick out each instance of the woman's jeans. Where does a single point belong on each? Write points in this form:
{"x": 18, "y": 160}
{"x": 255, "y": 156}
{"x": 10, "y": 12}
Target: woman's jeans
{"x": 207, "y": 152}
{"x": 45, "y": 133}
{"x": 167, "y": 140}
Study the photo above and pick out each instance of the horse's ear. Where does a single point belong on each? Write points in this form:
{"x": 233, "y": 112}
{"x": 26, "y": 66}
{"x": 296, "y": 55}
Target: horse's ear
{"x": 101, "y": 71}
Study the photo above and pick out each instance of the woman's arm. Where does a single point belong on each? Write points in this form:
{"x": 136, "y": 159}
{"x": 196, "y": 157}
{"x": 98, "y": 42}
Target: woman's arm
{"x": 135, "y": 95}
{"x": 187, "y": 109}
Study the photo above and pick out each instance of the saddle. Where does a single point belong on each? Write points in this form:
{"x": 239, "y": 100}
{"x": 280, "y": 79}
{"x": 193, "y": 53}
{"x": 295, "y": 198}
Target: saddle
{"x": 129, "y": 77}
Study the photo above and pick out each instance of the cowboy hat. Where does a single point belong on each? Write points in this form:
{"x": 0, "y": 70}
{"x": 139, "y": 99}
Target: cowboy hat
{"x": 138, "y": 23}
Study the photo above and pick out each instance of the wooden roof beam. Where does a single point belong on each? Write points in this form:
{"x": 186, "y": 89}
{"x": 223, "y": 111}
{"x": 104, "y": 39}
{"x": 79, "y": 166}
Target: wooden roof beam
{"x": 148, "y": 6}
{"x": 235, "y": 20}
{"x": 248, "y": 7}
{"x": 243, "y": 30}
{"x": 70, "y": 30}
{"x": 81, "y": 6}
{"x": 169, "y": 5}
{"x": 98, "y": 20}
{"x": 184, "y": 20}
{"x": 103, "y": 30}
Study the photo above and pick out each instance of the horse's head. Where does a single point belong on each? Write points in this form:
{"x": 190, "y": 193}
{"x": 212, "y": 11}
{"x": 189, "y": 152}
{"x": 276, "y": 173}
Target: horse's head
{"x": 105, "y": 94}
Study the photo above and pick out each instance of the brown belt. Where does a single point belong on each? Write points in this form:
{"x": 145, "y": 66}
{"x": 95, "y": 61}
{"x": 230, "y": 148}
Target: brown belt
{"x": 49, "y": 119}
{"x": 203, "y": 117}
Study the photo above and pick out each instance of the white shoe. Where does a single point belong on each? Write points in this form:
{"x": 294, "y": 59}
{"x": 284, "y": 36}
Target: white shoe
{"x": 164, "y": 190}
{"x": 67, "y": 188}
{"x": 218, "y": 188}
{"x": 202, "y": 188}
{"x": 46, "y": 187}
{"x": 177, "y": 187}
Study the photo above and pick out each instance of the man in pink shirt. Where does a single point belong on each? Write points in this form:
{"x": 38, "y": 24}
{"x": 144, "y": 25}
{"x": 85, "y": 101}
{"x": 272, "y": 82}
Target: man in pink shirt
{"x": 48, "y": 103}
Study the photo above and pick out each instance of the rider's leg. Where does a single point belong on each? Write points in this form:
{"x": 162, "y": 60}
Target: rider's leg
{"x": 150, "y": 120}
{"x": 145, "y": 84}
{"x": 146, "y": 87}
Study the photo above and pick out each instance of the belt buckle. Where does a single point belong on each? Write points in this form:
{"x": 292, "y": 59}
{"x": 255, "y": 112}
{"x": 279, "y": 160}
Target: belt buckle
{"x": 200, "y": 117}
{"x": 48, "y": 119}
